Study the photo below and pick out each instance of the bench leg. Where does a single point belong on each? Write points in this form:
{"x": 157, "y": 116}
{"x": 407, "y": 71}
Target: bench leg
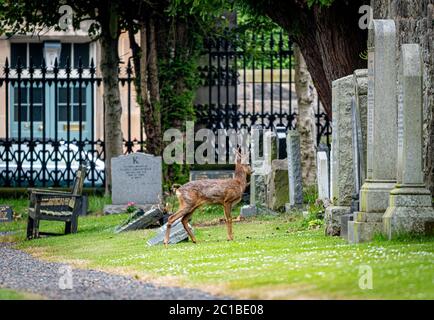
{"x": 30, "y": 226}
{"x": 36, "y": 228}
{"x": 68, "y": 227}
{"x": 74, "y": 224}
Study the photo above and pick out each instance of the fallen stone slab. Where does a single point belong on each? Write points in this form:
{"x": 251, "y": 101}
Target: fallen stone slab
{"x": 141, "y": 220}
{"x": 177, "y": 234}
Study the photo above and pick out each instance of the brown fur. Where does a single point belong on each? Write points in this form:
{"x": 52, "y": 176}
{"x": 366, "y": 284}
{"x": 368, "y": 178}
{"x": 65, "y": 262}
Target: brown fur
{"x": 193, "y": 194}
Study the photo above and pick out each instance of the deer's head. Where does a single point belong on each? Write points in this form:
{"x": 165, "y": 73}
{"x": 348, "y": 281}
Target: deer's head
{"x": 242, "y": 163}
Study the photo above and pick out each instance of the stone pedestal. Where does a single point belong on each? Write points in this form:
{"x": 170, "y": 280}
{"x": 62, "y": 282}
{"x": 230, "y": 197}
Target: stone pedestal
{"x": 410, "y": 203}
{"x": 381, "y": 135}
{"x": 410, "y": 211}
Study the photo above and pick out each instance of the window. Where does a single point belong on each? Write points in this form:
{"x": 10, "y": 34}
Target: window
{"x": 36, "y": 54}
{"x": 74, "y": 51}
{"x": 18, "y": 51}
{"x": 81, "y": 50}
{"x": 74, "y": 105}
{"x": 24, "y": 95}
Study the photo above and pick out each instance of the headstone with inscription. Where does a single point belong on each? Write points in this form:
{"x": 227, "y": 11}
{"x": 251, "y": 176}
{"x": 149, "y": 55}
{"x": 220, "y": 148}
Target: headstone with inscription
{"x": 211, "y": 174}
{"x": 137, "y": 178}
{"x": 410, "y": 204}
{"x": 6, "y": 214}
{"x": 381, "y": 132}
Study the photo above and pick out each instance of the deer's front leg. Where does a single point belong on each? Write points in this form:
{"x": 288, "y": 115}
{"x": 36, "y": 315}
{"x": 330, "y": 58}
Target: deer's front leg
{"x": 227, "y": 209}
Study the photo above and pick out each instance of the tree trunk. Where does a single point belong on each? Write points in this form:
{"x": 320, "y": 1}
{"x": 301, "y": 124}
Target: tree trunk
{"x": 113, "y": 142}
{"x": 329, "y": 39}
{"x": 306, "y": 98}
{"x": 152, "y": 104}
{"x": 414, "y": 24}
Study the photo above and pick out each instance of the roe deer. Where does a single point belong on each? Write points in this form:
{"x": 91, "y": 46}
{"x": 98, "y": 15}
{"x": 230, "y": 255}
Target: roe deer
{"x": 226, "y": 192}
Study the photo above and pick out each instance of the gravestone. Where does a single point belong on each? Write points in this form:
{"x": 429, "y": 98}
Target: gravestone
{"x": 6, "y": 214}
{"x": 141, "y": 220}
{"x": 322, "y": 176}
{"x": 177, "y": 234}
{"x": 410, "y": 209}
{"x": 211, "y": 174}
{"x": 357, "y": 156}
{"x": 361, "y": 108}
{"x": 279, "y": 189}
{"x": 342, "y": 184}
{"x": 294, "y": 170}
{"x": 136, "y": 177}
{"x": 381, "y": 133}
{"x": 265, "y": 141}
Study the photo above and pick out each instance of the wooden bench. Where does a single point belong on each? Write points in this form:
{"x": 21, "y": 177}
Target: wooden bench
{"x": 48, "y": 204}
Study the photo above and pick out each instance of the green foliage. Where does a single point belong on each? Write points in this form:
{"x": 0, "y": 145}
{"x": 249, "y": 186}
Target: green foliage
{"x": 315, "y": 215}
{"x": 325, "y": 3}
{"x": 310, "y": 194}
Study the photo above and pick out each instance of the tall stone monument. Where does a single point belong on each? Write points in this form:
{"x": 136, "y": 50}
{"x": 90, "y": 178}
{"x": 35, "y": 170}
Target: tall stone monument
{"x": 265, "y": 141}
{"x": 294, "y": 170}
{"x": 382, "y": 132}
{"x": 410, "y": 204}
{"x": 341, "y": 155}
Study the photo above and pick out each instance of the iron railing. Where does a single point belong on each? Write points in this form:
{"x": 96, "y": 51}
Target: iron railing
{"x": 51, "y": 114}
{"x": 50, "y": 124}
{"x": 249, "y": 81}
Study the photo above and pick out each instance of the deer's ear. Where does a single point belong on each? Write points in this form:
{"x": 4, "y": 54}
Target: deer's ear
{"x": 237, "y": 156}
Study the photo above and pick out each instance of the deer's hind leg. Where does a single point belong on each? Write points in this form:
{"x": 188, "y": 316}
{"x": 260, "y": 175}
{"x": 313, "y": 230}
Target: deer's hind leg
{"x": 180, "y": 213}
{"x": 187, "y": 227}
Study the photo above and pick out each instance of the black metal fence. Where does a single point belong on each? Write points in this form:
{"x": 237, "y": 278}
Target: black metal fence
{"x": 50, "y": 124}
{"x": 51, "y": 113}
{"x": 249, "y": 81}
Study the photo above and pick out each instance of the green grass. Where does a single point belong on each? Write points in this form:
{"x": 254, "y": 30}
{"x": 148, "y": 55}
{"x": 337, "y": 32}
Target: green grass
{"x": 271, "y": 257}
{"x": 6, "y": 294}
{"x": 19, "y": 205}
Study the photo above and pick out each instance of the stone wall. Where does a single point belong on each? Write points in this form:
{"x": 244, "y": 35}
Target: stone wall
{"x": 414, "y": 24}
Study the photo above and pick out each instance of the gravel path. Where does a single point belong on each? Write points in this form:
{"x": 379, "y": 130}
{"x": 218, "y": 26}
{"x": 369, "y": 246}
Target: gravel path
{"x": 20, "y": 271}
